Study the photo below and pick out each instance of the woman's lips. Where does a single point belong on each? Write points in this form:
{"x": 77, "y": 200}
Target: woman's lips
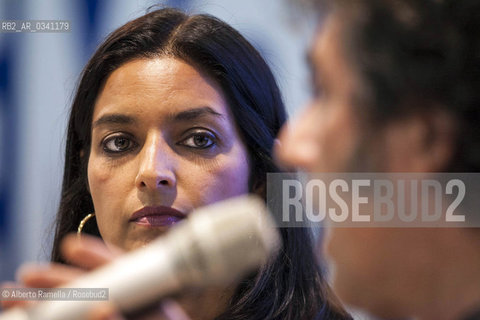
{"x": 157, "y": 216}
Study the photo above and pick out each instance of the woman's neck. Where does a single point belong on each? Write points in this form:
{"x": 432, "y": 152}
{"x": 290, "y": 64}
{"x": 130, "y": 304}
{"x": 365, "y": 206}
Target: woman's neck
{"x": 206, "y": 304}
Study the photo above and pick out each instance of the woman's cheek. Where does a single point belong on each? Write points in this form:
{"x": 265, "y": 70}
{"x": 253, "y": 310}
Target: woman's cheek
{"x": 98, "y": 179}
{"x": 231, "y": 176}
{"x": 102, "y": 189}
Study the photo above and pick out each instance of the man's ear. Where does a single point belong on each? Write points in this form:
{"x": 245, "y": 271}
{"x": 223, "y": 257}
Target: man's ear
{"x": 442, "y": 142}
{"x": 421, "y": 142}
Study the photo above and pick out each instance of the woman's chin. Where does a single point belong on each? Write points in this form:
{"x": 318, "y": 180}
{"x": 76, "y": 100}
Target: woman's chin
{"x": 141, "y": 239}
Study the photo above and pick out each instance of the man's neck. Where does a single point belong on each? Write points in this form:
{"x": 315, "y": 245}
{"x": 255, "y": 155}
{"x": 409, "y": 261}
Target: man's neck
{"x": 455, "y": 289}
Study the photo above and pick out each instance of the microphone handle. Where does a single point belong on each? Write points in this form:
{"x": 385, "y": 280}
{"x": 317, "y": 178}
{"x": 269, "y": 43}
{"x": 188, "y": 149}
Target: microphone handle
{"x": 126, "y": 280}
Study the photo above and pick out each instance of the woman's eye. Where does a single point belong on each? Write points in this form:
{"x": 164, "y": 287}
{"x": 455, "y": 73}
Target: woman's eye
{"x": 117, "y": 144}
{"x": 199, "y": 140}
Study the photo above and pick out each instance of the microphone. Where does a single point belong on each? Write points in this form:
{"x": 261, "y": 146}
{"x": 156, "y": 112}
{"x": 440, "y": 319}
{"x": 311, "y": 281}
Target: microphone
{"x": 217, "y": 244}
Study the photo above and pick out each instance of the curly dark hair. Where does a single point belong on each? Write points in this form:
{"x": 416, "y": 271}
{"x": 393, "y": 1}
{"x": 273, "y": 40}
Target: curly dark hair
{"x": 415, "y": 56}
{"x": 291, "y": 286}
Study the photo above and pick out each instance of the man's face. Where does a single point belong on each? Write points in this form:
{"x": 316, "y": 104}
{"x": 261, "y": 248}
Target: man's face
{"x": 325, "y": 137}
{"x": 370, "y": 267}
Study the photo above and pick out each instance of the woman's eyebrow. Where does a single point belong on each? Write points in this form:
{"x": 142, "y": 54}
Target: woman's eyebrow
{"x": 195, "y": 113}
{"x": 187, "y": 115}
{"x": 113, "y": 118}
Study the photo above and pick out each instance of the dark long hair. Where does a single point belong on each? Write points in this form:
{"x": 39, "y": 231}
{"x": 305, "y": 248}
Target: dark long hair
{"x": 291, "y": 286}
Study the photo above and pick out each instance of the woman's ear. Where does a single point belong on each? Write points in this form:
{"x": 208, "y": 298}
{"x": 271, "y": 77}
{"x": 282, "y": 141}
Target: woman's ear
{"x": 277, "y": 144}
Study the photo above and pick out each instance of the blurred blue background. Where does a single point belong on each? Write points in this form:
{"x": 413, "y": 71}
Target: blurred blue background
{"x": 38, "y": 73}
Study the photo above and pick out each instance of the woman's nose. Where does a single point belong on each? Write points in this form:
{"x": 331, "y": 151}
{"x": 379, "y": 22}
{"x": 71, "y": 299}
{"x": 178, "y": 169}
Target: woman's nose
{"x": 157, "y": 166}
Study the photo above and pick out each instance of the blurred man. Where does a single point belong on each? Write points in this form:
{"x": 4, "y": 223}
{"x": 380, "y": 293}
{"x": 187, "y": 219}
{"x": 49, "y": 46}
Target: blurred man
{"x": 396, "y": 89}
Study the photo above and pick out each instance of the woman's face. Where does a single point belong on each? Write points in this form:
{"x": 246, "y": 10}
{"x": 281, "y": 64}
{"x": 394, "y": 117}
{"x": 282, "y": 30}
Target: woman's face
{"x": 163, "y": 143}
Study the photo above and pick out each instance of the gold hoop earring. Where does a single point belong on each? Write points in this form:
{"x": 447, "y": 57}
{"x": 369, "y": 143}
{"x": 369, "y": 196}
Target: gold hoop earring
{"x": 82, "y": 223}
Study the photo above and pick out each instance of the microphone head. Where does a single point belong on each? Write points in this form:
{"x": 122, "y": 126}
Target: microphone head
{"x": 226, "y": 240}
{"x": 216, "y": 245}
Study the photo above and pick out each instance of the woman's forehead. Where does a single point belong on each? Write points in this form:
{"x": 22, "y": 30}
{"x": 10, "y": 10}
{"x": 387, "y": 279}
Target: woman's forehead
{"x": 167, "y": 85}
